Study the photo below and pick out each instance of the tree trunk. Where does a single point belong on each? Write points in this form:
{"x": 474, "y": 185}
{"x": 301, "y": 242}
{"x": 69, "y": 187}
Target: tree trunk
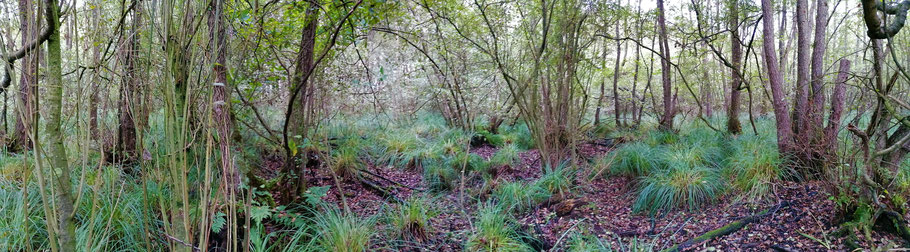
{"x": 28, "y": 88}
{"x": 800, "y": 102}
{"x": 95, "y": 86}
{"x": 600, "y": 97}
{"x": 129, "y": 96}
{"x": 617, "y": 110}
{"x": 58, "y": 159}
{"x": 784, "y": 126}
{"x": 666, "y": 121}
{"x": 222, "y": 119}
{"x": 817, "y": 99}
{"x": 733, "y": 125}
{"x": 837, "y": 106}
{"x": 302, "y": 116}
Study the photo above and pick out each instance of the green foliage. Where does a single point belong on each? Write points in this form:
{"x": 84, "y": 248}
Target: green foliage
{"x": 635, "y": 159}
{"x": 342, "y": 232}
{"x": 557, "y": 181}
{"x": 409, "y": 221}
{"x": 507, "y": 155}
{"x": 494, "y": 231}
{"x": 754, "y": 165}
{"x": 346, "y": 163}
{"x": 661, "y": 137}
{"x": 517, "y": 134}
{"x": 517, "y": 196}
{"x": 678, "y": 186}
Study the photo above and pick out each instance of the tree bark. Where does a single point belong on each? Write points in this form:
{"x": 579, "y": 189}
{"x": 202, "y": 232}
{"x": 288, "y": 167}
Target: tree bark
{"x": 301, "y": 116}
{"x": 837, "y": 105}
{"x": 95, "y": 88}
{"x": 129, "y": 96}
{"x": 733, "y": 125}
{"x": 784, "y": 126}
{"x": 28, "y": 88}
{"x": 666, "y": 121}
{"x": 818, "y": 73}
{"x": 617, "y": 109}
{"x": 800, "y": 102}
{"x": 58, "y": 159}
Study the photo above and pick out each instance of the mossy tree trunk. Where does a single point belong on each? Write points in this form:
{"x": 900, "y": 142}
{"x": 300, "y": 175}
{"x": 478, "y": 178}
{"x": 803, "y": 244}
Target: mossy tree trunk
{"x": 58, "y": 160}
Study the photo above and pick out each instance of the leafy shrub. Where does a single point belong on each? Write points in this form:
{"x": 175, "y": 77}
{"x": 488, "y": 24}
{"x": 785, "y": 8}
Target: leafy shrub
{"x": 635, "y": 159}
{"x": 494, "y": 231}
{"x": 517, "y": 196}
{"x": 677, "y": 186}
{"x": 343, "y": 232}
{"x": 755, "y": 164}
{"x": 410, "y": 220}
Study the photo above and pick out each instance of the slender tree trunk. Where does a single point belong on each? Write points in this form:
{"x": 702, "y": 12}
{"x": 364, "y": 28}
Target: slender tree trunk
{"x": 222, "y": 119}
{"x": 603, "y": 83}
{"x": 95, "y": 88}
{"x": 129, "y": 97}
{"x": 28, "y": 87}
{"x": 784, "y": 126}
{"x": 733, "y": 124}
{"x": 800, "y": 102}
{"x": 817, "y": 99}
{"x": 837, "y": 106}
{"x": 302, "y": 77}
{"x": 617, "y": 109}
{"x": 666, "y": 121}
{"x": 58, "y": 159}
{"x": 637, "y": 62}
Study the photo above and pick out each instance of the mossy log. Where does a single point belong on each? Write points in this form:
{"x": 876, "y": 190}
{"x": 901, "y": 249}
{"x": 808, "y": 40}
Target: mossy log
{"x": 726, "y": 229}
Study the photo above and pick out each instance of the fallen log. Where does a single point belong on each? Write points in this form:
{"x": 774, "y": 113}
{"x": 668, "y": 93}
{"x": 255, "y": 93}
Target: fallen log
{"x": 726, "y": 229}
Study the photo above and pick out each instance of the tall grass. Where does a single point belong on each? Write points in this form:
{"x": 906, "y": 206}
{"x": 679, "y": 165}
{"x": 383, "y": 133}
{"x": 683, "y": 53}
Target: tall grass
{"x": 343, "y": 232}
{"x": 678, "y": 186}
{"x": 634, "y": 159}
{"x": 494, "y": 230}
{"x": 755, "y": 165}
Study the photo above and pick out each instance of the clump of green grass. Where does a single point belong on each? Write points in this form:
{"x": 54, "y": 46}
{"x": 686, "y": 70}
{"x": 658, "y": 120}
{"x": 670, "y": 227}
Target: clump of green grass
{"x": 517, "y": 134}
{"x": 494, "y": 231}
{"x": 557, "y": 181}
{"x": 678, "y": 186}
{"x": 346, "y": 163}
{"x": 439, "y": 174}
{"x": 399, "y": 149}
{"x": 343, "y": 232}
{"x": 410, "y": 220}
{"x": 507, "y": 155}
{"x": 517, "y": 196}
{"x": 635, "y": 159}
{"x": 661, "y": 137}
{"x": 754, "y": 165}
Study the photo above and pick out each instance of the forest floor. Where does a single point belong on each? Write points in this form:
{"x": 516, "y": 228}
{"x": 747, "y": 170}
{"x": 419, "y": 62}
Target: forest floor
{"x": 800, "y": 216}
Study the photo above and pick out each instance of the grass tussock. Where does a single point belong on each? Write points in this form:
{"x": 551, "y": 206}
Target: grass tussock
{"x": 494, "y": 230}
{"x": 677, "y": 187}
{"x": 340, "y": 232}
{"x": 755, "y": 165}
{"x": 410, "y": 220}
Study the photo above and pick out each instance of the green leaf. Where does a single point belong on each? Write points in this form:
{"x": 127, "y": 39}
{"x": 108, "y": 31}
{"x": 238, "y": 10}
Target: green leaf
{"x": 314, "y": 194}
{"x": 258, "y": 213}
{"x": 218, "y": 222}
